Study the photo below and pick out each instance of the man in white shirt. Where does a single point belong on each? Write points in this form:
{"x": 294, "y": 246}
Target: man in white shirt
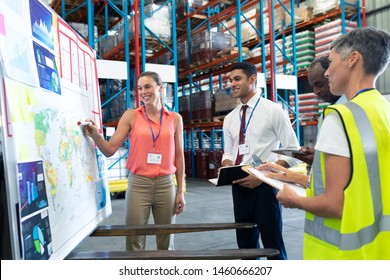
{"x": 266, "y": 126}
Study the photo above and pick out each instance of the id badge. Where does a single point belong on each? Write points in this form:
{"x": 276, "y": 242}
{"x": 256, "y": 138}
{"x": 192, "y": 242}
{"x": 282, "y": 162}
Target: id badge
{"x": 154, "y": 158}
{"x": 243, "y": 149}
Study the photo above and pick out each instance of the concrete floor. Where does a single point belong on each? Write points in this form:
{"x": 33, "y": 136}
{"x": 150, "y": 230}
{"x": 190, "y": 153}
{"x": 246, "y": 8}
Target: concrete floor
{"x": 205, "y": 204}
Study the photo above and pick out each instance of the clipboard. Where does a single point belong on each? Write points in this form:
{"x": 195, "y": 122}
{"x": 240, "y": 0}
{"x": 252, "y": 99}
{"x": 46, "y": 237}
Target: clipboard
{"x": 301, "y": 191}
{"x": 228, "y": 174}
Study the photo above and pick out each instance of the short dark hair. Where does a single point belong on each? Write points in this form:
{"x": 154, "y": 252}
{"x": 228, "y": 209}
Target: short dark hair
{"x": 373, "y": 44}
{"x": 248, "y": 68}
{"x": 323, "y": 61}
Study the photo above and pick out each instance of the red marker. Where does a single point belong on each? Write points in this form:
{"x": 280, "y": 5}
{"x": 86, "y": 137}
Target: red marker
{"x": 83, "y": 123}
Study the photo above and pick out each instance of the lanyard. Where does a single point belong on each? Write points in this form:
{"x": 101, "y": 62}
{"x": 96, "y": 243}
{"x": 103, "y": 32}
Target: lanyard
{"x": 363, "y": 90}
{"x": 150, "y": 126}
{"x": 250, "y": 117}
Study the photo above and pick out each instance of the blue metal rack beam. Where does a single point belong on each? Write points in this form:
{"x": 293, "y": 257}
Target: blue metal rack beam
{"x": 273, "y": 53}
{"x": 91, "y": 41}
{"x": 172, "y": 50}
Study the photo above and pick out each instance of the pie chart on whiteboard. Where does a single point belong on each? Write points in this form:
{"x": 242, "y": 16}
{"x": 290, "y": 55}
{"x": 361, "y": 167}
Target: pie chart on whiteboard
{"x": 38, "y": 240}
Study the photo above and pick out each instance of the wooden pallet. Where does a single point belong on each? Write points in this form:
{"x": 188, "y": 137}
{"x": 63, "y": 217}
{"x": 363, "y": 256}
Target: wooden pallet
{"x": 251, "y": 39}
{"x": 233, "y": 50}
{"x": 348, "y": 10}
{"x": 298, "y": 21}
{"x": 219, "y": 118}
{"x": 206, "y": 120}
{"x": 198, "y": 63}
{"x": 223, "y": 113}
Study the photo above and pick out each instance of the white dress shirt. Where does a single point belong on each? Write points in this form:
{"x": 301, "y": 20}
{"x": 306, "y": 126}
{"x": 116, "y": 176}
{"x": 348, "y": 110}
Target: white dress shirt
{"x": 268, "y": 127}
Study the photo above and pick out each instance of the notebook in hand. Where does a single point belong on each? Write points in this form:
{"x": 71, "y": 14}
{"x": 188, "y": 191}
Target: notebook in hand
{"x": 228, "y": 174}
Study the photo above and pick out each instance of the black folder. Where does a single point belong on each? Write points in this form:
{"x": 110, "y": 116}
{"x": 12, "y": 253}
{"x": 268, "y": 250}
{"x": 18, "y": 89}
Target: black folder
{"x": 228, "y": 174}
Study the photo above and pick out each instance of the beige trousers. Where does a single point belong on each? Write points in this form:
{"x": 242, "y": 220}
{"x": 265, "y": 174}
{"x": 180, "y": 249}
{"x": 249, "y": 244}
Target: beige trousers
{"x": 144, "y": 194}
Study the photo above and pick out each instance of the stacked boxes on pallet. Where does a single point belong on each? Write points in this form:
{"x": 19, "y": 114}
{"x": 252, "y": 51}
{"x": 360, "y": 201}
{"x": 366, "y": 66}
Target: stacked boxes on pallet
{"x": 164, "y": 59}
{"x": 168, "y": 94}
{"x": 184, "y": 107}
{"x": 307, "y": 106}
{"x": 323, "y": 6}
{"x": 279, "y": 57}
{"x": 301, "y": 14}
{"x": 224, "y": 103}
{"x": 192, "y": 4}
{"x": 182, "y": 55}
{"x": 206, "y": 45}
{"x": 107, "y": 43}
{"x": 248, "y": 33}
{"x": 121, "y": 29}
{"x": 159, "y": 20}
{"x": 118, "y": 105}
{"x": 327, "y": 33}
{"x": 203, "y": 105}
{"x": 305, "y": 49}
{"x": 280, "y": 16}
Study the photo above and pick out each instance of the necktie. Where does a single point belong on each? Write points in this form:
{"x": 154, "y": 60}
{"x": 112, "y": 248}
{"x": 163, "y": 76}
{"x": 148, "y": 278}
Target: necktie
{"x": 242, "y": 136}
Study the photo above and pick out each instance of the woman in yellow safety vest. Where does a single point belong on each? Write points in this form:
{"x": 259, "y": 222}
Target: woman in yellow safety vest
{"x": 348, "y": 195}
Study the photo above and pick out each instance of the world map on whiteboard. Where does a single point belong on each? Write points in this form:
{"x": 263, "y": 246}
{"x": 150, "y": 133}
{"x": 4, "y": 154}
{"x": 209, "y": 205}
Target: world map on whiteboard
{"x": 70, "y": 168}
{"x": 48, "y": 131}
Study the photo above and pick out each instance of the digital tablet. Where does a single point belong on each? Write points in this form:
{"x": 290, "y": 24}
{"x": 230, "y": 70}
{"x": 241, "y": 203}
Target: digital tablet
{"x": 288, "y": 152}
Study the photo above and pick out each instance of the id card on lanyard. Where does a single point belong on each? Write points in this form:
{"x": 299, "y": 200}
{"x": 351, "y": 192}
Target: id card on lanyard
{"x": 154, "y": 157}
{"x": 243, "y": 149}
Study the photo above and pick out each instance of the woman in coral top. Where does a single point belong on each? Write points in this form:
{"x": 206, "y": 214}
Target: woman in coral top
{"x": 156, "y": 154}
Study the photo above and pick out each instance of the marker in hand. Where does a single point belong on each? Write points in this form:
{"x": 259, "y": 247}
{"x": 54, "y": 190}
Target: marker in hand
{"x": 83, "y": 123}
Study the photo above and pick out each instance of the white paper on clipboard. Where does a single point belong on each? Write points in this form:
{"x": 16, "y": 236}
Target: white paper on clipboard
{"x": 301, "y": 191}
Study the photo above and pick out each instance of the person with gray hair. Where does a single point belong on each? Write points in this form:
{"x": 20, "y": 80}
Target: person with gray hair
{"x": 348, "y": 195}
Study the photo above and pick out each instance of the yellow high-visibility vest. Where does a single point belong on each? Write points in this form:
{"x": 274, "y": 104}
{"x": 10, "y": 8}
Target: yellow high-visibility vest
{"x": 363, "y": 232}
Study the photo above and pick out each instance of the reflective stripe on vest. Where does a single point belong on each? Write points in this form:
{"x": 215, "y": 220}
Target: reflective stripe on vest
{"x": 353, "y": 241}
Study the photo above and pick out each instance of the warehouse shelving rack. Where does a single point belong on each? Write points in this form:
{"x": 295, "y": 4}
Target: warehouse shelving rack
{"x": 164, "y": 45}
{"x": 222, "y": 65}
{"x": 347, "y": 12}
{"x": 212, "y": 14}
{"x": 276, "y": 95}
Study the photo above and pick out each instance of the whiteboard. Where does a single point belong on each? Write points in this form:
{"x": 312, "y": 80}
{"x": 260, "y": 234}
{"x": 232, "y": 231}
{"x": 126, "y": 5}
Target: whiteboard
{"x": 57, "y": 187}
